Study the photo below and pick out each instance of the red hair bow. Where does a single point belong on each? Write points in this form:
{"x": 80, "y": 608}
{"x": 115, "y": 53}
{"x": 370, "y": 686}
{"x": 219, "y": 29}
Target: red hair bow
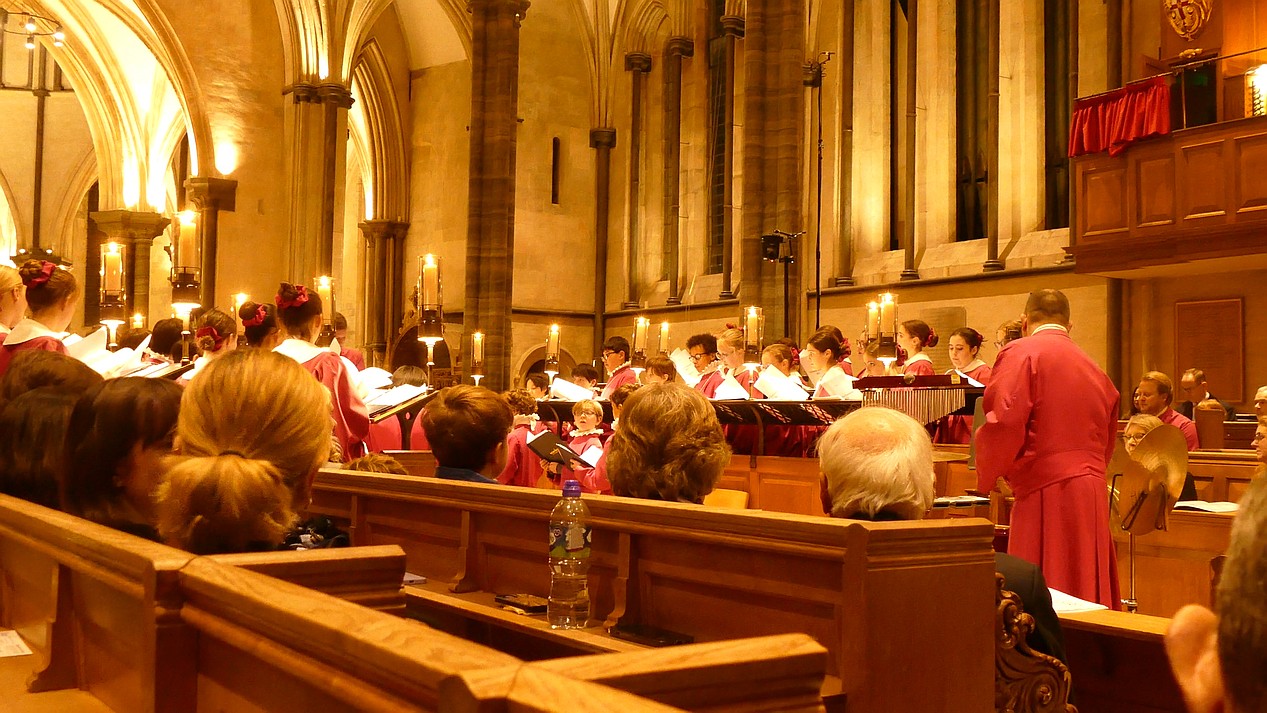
{"x": 46, "y": 271}
{"x": 258, "y": 319}
{"x": 299, "y": 299}
{"x": 210, "y": 332}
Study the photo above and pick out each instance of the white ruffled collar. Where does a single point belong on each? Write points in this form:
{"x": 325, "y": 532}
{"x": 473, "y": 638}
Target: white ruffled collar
{"x": 591, "y": 432}
{"x": 919, "y": 357}
{"x": 29, "y": 329}
{"x": 976, "y": 364}
{"x": 300, "y": 350}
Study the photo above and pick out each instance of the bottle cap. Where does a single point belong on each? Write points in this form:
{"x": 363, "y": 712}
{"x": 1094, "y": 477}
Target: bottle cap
{"x": 572, "y": 489}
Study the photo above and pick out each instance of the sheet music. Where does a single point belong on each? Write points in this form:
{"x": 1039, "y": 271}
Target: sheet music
{"x": 592, "y": 455}
{"x": 375, "y": 379}
{"x": 1068, "y": 604}
{"x": 685, "y": 367}
{"x": 730, "y": 390}
{"x": 779, "y": 387}
{"x": 565, "y": 390}
{"x": 839, "y": 384}
{"x": 386, "y": 398}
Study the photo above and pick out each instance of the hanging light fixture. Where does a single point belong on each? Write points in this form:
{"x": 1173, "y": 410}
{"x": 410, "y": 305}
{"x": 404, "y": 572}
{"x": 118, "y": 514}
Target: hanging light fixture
{"x": 33, "y": 27}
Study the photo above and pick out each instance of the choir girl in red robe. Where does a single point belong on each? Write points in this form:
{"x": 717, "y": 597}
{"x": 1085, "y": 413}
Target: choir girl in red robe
{"x": 523, "y": 467}
{"x": 660, "y": 369}
{"x": 340, "y": 324}
{"x": 703, "y": 351}
{"x": 300, "y": 315}
{"x": 730, "y": 349}
{"x": 216, "y": 335}
{"x": 586, "y": 434}
{"x": 259, "y": 326}
{"x": 12, "y": 299}
{"x": 598, "y": 479}
{"x": 915, "y": 336}
{"x": 845, "y": 349}
{"x": 965, "y": 345}
{"x": 822, "y": 355}
{"x": 52, "y": 296}
{"x": 790, "y": 441}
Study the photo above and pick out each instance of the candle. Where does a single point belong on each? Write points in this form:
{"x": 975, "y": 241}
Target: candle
{"x": 112, "y": 268}
{"x": 187, "y": 240}
{"x": 552, "y": 344}
{"x": 429, "y": 275}
{"x": 240, "y": 299}
{"x": 873, "y": 320}
{"x": 888, "y": 314}
{"x": 477, "y": 348}
{"x": 138, "y": 321}
{"x": 640, "y": 334}
{"x": 752, "y": 328}
{"x": 664, "y": 337}
{"x": 324, "y": 291}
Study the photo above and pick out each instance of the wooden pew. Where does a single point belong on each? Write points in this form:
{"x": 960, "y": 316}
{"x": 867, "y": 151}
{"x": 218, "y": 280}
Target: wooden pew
{"x": 1118, "y": 663}
{"x": 873, "y": 593}
{"x": 418, "y": 463}
{"x": 369, "y": 576}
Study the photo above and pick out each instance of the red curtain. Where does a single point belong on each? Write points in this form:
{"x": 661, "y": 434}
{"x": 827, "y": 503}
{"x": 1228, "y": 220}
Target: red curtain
{"x": 1113, "y": 120}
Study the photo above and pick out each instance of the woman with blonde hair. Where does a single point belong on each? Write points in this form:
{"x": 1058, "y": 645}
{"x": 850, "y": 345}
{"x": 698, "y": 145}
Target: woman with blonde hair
{"x": 252, "y": 432}
{"x": 12, "y": 299}
{"x": 669, "y": 446}
{"x": 1138, "y": 426}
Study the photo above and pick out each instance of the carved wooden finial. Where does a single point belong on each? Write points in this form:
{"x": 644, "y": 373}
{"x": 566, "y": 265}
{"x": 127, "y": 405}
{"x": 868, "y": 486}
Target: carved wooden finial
{"x": 1025, "y": 681}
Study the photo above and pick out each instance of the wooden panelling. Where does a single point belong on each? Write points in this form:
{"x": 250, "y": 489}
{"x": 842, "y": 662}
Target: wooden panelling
{"x": 1118, "y": 663}
{"x": 1249, "y": 199}
{"x": 1154, "y": 192}
{"x": 1104, "y": 217}
{"x": 1202, "y": 182}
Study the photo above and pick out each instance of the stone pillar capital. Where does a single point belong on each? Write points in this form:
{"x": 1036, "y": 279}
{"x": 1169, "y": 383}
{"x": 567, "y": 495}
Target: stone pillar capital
{"x": 334, "y": 93}
{"x": 518, "y": 7}
{"x": 638, "y": 62}
{"x": 680, "y": 46}
{"x": 210, "y": 193}
{"x": 131, "y": 226}
{"x": 385, "y": 229}
{"x": 602, "y": 138}
{"x": 732, "y": 25}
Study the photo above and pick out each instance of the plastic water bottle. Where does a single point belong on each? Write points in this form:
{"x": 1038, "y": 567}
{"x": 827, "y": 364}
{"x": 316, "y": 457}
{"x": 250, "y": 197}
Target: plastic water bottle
{"x": 569, "y": 606}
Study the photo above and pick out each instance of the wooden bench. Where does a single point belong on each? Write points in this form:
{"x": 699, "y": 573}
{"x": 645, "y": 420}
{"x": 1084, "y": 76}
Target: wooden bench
{"x": 874, "y": 594}
{"x": 1118, "y": 663}
{"x": 418, "y": 463}
{"x": 369, "y": 576}
{"x": 137, "y": 626}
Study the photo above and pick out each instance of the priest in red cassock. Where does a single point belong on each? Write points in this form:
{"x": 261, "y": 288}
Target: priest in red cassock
{"x": 616, "y": 362}
{"x": 1051, "y": 417}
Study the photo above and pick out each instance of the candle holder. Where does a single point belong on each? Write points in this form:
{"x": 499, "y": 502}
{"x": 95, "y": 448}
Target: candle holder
{"x": 430, "y": 313}
{"x": 753, "y": 336}
{"x": 882, "y": 328}
{"x": 325, "y": 291}
{"x": 186, "y": 275}
{"x": 552, "y": 353}
{"x": 663, "y": 346}
{"x": 113, "y": 301}
{"x": 638, "y": 359}
{"x": 477, "y": 357}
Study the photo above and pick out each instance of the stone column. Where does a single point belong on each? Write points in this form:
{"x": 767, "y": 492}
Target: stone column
{"x": 992, "y": 261}
{"x": 674, "y": 51}
{"x": 732, "y": 29}
{"x": 136, "y": 231}
{"x": 843, "y": 269}
{"x": 909, "y": 272}
{"x": 773, "y": 136}
{"x": 490, "y": 246}
{"x": 209, "y": 196}
{"x": 603, "y": 140}
{"x": 319, "y": 142}
{"x": 394, "y": 291}
{"x": 640, "y": 65}
{"x": 379, "y": 330}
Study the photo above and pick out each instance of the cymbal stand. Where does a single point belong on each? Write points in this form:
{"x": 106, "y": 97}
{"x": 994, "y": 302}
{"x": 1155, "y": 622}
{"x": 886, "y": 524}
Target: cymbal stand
{"x": 1131, "y": 604}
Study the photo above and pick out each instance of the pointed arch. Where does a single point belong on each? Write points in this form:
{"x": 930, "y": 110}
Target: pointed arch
{"x": 388, "y": 186}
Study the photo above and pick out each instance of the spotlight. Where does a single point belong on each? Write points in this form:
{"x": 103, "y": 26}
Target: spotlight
{"x": 771, "y": 247}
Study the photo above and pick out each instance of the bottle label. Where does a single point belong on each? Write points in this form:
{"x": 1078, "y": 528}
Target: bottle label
{"x": 569, "y": 541}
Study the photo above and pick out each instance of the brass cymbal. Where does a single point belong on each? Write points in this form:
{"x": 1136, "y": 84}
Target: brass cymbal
{"x": 1147, "y": 484}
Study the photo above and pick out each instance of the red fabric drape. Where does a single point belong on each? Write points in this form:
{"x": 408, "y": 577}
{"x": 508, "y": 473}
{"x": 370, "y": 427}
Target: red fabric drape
{"x": 1114, "y": 120}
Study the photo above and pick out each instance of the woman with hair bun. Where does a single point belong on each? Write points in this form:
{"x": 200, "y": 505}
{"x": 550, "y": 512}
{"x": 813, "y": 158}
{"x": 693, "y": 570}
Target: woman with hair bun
{"x": 215, "y": 336}
{"x": 51, "y": 295}
{"x": 915, "y": 336}
{"x": 965, "y": 346}
{"x": 250, "y": 438}
{"x": 299, "y": 312}
{"x": 259, "y": 326}
{"x": 12, "y": 299}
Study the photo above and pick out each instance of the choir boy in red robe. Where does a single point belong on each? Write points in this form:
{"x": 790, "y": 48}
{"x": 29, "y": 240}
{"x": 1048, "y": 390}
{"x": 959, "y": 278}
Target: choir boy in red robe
{"x": 616, "y": 362}
{"x": 915, "y": 336}
{"x": 300, "y": 315}
{"x": 1156, "y": 393}
{"x": 523, "y": 467}
{"x": 1051, "y": 423}
{"x": 702, "y": 349}
{"x": 965, "y": 348}
{"x": 52, "y": 296}
{"x": 340, "y": 324}
{"x": 586, "y": 434}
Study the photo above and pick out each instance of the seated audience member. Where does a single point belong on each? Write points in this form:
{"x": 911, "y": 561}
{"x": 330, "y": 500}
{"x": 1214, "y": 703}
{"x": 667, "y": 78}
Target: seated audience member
{"x": 586, "y": 375}
{"x": 523, "y": 466}
{"x": 467, "y": 428}
{"x": 877, "y": 464}
{"x": 1260, "y": 440}
{"x": 669, "y": 446}
{"x": 34, "y": 368}
{"x": 166, "y": 337}
{"x": 537, "y": 385}
{"x": 1155, "y": 396}
{"x": 1260, "y": 401}
{"x": 1219, "y": 659}
{"x": 660, "y": 369}
{"x": 1194, "y": 389}
{"x": 702, "y": 349}
{"x": 33, "y": 443}
{"x": 253, "y": 430}
{"x": 340, "y": 325}
{"x": 616, "y": 362}
{"x": 1007, "y": 332}
{"x": 1136, "y": 428}
{"x": 377, "y": 463}
{"x": 215, "y": 336}
{"x": 259, "y": 326}
{"x": 118, "y": 441}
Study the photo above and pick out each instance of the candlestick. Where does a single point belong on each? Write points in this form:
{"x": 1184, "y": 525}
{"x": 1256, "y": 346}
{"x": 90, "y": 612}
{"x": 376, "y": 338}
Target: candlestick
{"x": 888, "y": 314}
{"x": 429, "y": 277}
{"x": 112, "y": 268}
{"x": 640, "y": 334}
{"x": 664, "y": 338}
{"x": 187, "y": 240}
{"x": 138, "y": 321}
{"x": 477, "y": 349}
{"x": 240, "y": 299}
{"x": 552, "y": 343}
{"x": 325, "y": 291}
{"x": 752, "y": 328}
{"x": 873, "y": 320}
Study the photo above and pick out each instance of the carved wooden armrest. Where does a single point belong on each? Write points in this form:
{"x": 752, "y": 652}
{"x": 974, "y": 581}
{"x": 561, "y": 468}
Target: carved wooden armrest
{"x": 1025, "y": 681}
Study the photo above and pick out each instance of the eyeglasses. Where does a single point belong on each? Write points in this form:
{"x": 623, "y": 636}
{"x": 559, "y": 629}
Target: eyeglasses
{"x": 730, "y": 353}
{"x": 609, "y": 354}
{"x": 998, "y": 344}
{"x": 697, "y": 357}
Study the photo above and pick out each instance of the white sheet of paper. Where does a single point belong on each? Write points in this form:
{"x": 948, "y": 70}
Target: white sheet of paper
{"x": 839, "y": 384}
{"x": 1207, "y": 507}
{"x": 971, "y": 381}
{"x": 563, "y": 389}
{"x": 1067, "y": 603}
{"x": 778, "y": 387}
{"x": 730, "y": 390}
{"x": 685, "y": 367}
{"x": 591, "y": 455}
{"x": 95, "y": 342}
{"x": 12, "y": 645}
{"x": 398, "y": 395}
{"x": 335, "y": 348}
{"x": 374, "y": 378}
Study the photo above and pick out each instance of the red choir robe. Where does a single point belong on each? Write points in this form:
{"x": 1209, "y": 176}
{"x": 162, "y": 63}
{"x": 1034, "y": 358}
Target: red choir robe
{"x": 385, "y": 436}
{"x": 1051, "y": 422}
{"x": 596, "y": 481}
{"x": 709, "y": 382}
{"x": 847, "y": 366}
{"x": 29, "y": 334}
{"x": 355, "y": 356}
{"x": 579, "y": 443}
{"x": 523, "y": 466}
{"x": 919, "y": 365}
{"x": 623, "y": 375}
{"x": 1183, "y": 423}
{"x": 958, "y": 429}
{"x": 351, "y": 418}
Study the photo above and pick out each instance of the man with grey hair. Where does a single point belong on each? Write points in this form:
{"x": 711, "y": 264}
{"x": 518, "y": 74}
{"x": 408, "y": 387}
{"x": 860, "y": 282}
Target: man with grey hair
{"x": 1219, "y": 659}
{"x": 877, "y": 464}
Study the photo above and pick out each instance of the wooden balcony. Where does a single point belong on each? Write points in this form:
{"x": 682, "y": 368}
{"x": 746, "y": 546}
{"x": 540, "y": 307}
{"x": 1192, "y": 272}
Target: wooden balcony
{"x": 1197, "y": 194}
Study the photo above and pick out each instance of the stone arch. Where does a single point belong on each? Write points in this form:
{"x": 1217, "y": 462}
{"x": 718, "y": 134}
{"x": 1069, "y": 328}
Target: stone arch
{"x": 10, "y": 236}
{"x": 536, "y": 354}
{"x": 385, "y": 141}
